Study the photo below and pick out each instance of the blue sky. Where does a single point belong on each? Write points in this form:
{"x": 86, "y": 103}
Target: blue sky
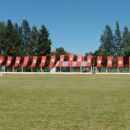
{"x": 74, "y": 24}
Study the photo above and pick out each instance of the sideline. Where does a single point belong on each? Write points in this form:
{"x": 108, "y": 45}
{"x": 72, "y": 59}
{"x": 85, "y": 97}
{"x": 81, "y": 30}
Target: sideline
{"x": 48, "y": 73}
{"x": 62, "y": 73}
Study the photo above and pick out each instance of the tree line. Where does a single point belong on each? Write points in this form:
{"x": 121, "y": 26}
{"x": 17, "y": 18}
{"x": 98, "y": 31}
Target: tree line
{"x": 115, "y": 42}
{"x": 23, "y": 40}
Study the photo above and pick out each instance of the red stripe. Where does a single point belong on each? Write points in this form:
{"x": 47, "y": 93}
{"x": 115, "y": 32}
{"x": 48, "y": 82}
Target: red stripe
{"x": 34, "y": 61}
{"x": 71, "y": 58}
{"x": 120, "y": 61}
{"x": 79, "y": 60}
{"x": 109, "y": 61}
{"x": 26, "y": 60}
{"x": 61, "y": 60}
{"x": 129, "y": 61}
{"x": 43, "y": 61}
{"x": 1, "y": 60}
{"x": 8, "y": 62}
{"x": 99, "y": 61}
{"x": 17, "y": 61}
{"x": 52, "y": 61}
{"x": 89, "y": 61}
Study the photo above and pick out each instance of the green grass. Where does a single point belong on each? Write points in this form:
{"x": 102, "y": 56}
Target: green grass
{"x": 65, "y": 102}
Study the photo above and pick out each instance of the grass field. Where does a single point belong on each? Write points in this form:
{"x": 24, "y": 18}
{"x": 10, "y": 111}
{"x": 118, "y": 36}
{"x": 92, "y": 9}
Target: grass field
{"x": 65, "y": 102}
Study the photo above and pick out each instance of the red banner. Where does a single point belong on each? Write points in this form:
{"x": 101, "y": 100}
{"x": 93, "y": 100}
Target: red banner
{"x": 17, "y": 61}
{"x": 109, "y": 61}
{"x": 120, "y": 61}
{"x": 71, "y": 58}
{"x": 52, "y": 61}
{"x": 99, "y": 61}
{"x": 43, "y": 61}
{"x": 1, "y": 60}
{"x": 9, "y": 60}
{"x": 34, "y": 61}
{"x": 129, "y": 61}
{"x": 89, "y": 61}
{"x": 26, "y": 60}
{"x": 62, "y": 57}
{"x": 79, "y": 60}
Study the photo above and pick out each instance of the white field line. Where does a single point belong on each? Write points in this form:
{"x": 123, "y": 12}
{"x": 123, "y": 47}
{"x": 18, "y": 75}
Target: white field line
{"x": 49, "y": 73}
{"x": 116, "y": 73}
{"x": 62, "y": 73}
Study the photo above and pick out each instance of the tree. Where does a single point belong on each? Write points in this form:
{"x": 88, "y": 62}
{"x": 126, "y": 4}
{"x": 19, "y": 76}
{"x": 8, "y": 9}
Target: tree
{"x": 2, "y": 38}
{"x": 8, "y": 39}
{"x": 25, "y": 36}
{"x": 118, "y": 41}
{"x": 11, "y": 40}
{"x": 107, "y": 41}
{"x": 17, "y": 41}
{"x": 44, "y": 43}
{"x": 126, "y": 40}
{"x": 34, "y": 36}
{"x": 60, "y": 51}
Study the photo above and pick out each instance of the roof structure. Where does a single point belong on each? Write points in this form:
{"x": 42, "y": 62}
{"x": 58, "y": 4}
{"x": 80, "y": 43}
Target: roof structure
{"x": 65, "y": 64}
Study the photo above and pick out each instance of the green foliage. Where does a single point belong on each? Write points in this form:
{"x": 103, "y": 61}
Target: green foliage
{"x": 43, "y": 46}
{"x": 2, "y": 37}
{"x": 23, "y": 40}
{"x": 107, "y": 41}
{"x": 60, "y": 51}
{"x": 118, "y": 41}
{"x": 25, "y": 35}
{"x": 10, "y": 41}
{"x": 126, "y": 40}
{"x": 34, "y": 35}
{"x": 117, "y": 44}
